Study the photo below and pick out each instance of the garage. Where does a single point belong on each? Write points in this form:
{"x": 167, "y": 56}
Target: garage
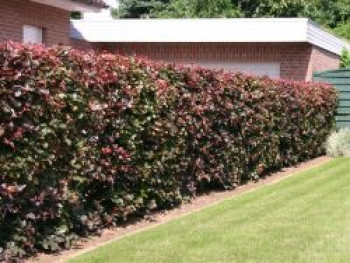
{"x": 270, "y": 69}
{"x": 258, "y": 46}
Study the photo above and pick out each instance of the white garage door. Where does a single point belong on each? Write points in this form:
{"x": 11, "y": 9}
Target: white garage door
{"x": 271, "y": 69}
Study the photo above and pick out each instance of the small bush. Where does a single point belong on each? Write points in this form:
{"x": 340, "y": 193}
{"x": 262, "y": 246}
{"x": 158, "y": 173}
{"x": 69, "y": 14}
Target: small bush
{"x": 338, "y": 143}
{"x": 345, "y": 59}
{"x": 88, "y": 141}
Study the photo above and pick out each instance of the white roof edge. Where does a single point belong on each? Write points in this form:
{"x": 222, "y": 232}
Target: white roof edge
{"x": 319, "y": 37}
{"x": 236, "y": 30}
{"x": 248, "y": 20}
{"x": 69, "y": 5}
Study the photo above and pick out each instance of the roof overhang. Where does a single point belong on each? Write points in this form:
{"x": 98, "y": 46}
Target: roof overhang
{"x": 71, "y": 5}
{"x": 255, "y": 30}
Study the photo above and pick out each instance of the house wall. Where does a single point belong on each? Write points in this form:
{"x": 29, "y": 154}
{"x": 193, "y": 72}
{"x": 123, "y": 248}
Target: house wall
{"x": 16, "y": 13}
{"x": 297, "y": 61}
{"x": 322, "y": 60}
{"x": 84, "y": 45}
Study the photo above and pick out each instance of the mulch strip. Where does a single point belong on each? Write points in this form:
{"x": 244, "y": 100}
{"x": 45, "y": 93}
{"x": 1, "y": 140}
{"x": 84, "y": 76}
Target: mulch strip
{"x": 162, "y": 217}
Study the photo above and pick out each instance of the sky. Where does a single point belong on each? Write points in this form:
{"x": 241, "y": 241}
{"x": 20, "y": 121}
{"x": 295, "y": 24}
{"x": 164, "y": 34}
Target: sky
{"x": 104, "y": 14}
{"x": 112, "y": 3}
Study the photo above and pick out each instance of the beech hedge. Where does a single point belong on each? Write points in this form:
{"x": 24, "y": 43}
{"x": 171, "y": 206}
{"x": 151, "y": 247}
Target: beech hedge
{"x": 88, "y": 141}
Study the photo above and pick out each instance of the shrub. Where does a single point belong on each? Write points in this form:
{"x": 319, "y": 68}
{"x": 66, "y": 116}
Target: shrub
{"x": 87, "y": 141}
{"x": 338, "y": 143}
{"x": 345, "y": 59}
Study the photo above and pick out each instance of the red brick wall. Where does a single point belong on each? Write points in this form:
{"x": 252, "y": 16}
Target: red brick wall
{"x": 297, "y": 60}
{"x": 16, "y": 13}
{"x": 324, "y": 60}
{"x": 86, "y": 46}
{"x": 82, "y": 45}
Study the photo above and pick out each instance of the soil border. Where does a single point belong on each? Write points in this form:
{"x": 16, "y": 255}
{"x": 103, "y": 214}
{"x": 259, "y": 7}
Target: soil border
{"x": 161, "y": 217}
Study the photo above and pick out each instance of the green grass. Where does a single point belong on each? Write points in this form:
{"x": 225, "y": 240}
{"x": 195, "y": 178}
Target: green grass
{"x": 305, "y": 218}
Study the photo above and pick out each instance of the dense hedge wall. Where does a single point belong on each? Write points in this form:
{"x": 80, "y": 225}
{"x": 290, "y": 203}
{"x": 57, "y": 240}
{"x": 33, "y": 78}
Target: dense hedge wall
{"x": 87, "y": 141}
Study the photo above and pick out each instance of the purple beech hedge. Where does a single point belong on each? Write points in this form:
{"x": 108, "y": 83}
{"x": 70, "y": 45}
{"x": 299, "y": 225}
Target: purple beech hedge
{"x": 88, "y": 141}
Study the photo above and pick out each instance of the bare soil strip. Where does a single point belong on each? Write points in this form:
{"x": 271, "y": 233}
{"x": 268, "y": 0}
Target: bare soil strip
{"x": 161, "y": 217}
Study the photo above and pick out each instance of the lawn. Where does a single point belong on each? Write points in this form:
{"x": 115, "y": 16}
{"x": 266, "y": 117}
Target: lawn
{"x": 305, "y": 218}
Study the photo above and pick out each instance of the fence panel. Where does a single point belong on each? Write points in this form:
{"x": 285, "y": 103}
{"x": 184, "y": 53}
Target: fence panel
{"x": 341, "y": 80}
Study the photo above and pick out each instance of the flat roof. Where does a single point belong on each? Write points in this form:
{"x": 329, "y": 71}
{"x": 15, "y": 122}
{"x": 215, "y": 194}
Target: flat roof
{"x": 225, "y": 30}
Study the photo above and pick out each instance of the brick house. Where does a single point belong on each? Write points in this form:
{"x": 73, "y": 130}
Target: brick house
{"x": 291, "y": 48}
{"x": 41, "y": 21}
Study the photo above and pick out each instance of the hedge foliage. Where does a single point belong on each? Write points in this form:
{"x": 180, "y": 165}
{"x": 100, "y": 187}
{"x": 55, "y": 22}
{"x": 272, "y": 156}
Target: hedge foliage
{"x": 88, "y": 141}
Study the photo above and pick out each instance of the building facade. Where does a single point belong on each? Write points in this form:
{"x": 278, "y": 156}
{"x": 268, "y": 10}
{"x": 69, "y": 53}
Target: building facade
{"x": 295, "y": 61}
{"x": 279, "y": 48}
{"x": 40, "y": 21}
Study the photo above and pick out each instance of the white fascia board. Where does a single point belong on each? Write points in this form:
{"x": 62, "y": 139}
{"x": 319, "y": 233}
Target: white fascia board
{"x": 68, "y": 5}
{"x": 255, "y": 30}
{"x": 191, "y": 30}
{"x": 321, "y": 38}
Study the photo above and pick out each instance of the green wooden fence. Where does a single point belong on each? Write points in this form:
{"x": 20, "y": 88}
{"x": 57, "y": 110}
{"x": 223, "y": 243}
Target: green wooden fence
{"x": 341, "y": 79}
